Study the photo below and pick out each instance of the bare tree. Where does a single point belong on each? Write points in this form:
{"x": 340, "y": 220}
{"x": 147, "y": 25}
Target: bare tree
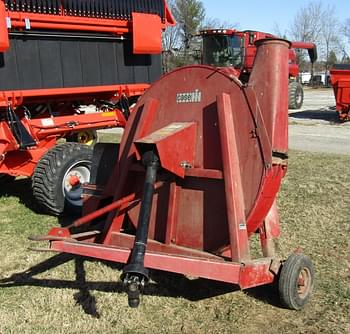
{"x": 346, "y": 29}
{"x": 277, "y": 31}
{"x": 214, "y": 23}
{"x": 330, "y": 35}
{"x": 307, "y": 27}
{"x": 177, "y": 41}
{"x": 171, "y": 42}
{"x": 307, "y": 24}
{"x": 318, "y": 24}
{"x": 171, "y": 36}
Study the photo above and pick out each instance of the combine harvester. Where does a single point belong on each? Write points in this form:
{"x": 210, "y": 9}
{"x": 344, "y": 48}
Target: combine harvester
{"x": 195, "y": 177}
{"x": 57, "y": 56}
{"x": 340, "y": 79}
{"x": 227, "y": 47}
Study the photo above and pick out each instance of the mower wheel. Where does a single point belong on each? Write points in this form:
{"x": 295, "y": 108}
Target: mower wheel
{"x": 296, "y": 281}
{"x": 296, "y": 95}
{"x": 5, "y": 178}
{"x": 58, "y": 178}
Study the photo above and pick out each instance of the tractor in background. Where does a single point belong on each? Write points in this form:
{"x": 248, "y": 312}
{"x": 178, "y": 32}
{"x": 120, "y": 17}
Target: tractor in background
{"x": 233, "y": 48}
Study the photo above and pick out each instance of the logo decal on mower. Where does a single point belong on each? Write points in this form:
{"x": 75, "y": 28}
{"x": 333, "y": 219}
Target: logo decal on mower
{"x": 194, "y": 97}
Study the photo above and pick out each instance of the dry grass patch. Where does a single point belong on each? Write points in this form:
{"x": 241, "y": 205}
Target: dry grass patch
{"x": 46, "y": 293}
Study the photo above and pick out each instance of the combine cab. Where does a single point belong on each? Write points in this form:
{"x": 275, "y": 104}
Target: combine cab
{"x": 57, "y": 57}
{"x": 232, "y": 48}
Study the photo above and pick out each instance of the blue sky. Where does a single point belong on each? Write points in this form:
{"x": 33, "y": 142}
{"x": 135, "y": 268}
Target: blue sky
{"x": 261, "y": 15}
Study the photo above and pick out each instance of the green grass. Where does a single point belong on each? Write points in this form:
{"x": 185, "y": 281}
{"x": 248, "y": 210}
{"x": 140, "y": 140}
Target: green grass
{"x": 48, "y": 293}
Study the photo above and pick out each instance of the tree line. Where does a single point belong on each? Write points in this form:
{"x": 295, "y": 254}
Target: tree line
{"x": 314, "y": 22}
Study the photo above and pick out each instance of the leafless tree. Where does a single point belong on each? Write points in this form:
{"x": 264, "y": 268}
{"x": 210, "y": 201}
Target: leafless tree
{"x": 331, "y": 36}
{"x": 307, "y": 24}
{"x": 177, "y": 40}
{"x": 346, "y": 29}
{"x": 171, "y": 41}
{"x": 317, "y": 23}
{"x": 277, "y": 31}
{"x": 213, "y": 23}
{"x": 171, "y": 36}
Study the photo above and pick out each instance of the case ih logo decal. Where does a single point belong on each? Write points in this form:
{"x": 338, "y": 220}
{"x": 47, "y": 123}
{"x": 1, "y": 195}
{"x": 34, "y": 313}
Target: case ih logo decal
{"x": 194, "y": 97}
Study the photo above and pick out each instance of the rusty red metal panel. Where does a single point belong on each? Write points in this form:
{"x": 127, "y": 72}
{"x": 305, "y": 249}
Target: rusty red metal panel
{"x": 256, "y": 273}
{"x": 273, "y": 99}
{"x": 233, "y": 182}
{"x": 175, "y": 145}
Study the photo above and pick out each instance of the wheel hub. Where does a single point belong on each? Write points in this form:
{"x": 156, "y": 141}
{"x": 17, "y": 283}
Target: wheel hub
{"x": 75, "y": 177}
{"x": 74, "y": 180}
{"x": 303, "y": 283}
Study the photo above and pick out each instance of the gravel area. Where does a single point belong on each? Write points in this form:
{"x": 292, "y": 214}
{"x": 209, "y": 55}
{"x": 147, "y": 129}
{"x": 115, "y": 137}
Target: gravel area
{"x": 315, "y": 127}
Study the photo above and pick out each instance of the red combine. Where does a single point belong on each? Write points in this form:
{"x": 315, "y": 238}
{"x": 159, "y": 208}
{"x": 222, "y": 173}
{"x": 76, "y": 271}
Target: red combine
{"x": 227, "y": 47}
{"x": 57, "y": 57}
{"x": 340, "y": 79}
{"x": 210, "y": 152}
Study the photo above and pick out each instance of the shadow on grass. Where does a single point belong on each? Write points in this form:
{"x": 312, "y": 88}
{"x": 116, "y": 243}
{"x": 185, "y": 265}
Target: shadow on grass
{"x": 329, "y": 115}
{"x": 164, "y": 284}
{"x": 22, "y": 189}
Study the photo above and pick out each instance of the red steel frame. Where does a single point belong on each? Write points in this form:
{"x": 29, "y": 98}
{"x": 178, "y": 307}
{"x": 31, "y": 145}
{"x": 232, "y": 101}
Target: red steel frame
{"x": 45, "y": 131}
{"x": 233, "y": 263}
{"x": 64, "y": 22}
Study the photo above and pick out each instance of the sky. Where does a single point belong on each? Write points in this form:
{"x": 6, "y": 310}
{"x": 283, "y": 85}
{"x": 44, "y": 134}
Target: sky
{"x": 262, "y": 15}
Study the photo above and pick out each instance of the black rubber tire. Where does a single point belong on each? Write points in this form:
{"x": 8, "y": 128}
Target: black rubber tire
{"x": 296, "y": 95}
{"x": 293, "y": 295}
{"x": 5, "y": 178}
{"x": 49, "y": 174}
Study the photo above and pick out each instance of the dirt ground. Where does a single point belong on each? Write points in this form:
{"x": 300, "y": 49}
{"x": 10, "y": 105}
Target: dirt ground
{"x": 315, "y": 127}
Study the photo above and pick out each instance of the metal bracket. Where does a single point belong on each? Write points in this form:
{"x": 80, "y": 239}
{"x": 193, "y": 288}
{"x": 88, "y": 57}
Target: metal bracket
{"x": 8, "y": 23}
{"x": 27, "y": 23}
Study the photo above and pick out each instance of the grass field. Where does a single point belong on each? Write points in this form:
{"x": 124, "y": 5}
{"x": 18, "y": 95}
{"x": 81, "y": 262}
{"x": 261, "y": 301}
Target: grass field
{"x": 48, "y": 293}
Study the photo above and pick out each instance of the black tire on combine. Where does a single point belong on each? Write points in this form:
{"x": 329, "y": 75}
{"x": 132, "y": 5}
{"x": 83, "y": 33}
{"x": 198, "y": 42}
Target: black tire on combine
{"x": 296, "y": 281}
{"x": 296, "y": 95}
{"x": 58, "y": 178}
{"x": 5, "y": 178}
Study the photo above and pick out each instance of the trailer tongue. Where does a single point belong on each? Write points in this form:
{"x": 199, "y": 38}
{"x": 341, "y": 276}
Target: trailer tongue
{"x": 210, "y": 153}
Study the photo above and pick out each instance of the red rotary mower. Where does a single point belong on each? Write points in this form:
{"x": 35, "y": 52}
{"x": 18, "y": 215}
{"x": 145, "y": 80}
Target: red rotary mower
{"x": 340, "y": 79}
{"x": 195, "y": 177}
